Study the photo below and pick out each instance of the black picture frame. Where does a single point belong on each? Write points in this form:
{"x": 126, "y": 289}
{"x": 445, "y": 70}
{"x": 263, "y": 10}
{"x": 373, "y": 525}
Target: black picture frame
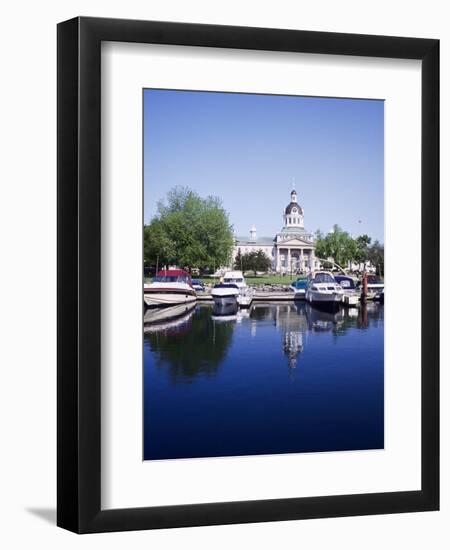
{"x": 79, "y": 275}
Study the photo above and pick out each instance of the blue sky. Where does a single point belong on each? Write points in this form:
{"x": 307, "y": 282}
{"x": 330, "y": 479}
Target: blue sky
{"x": 246, "y": 149}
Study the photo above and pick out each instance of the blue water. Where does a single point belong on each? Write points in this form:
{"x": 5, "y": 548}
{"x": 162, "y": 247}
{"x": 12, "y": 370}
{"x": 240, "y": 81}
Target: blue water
{"x": 278, "y": 378}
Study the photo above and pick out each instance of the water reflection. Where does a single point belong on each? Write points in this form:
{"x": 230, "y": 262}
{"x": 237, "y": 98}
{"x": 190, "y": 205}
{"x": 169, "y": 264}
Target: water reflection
{"x": 276, "y": 378}
{"x": 168, "y": 319}
{"x": 190, "y": 345}
{"x": 192, "y": 340}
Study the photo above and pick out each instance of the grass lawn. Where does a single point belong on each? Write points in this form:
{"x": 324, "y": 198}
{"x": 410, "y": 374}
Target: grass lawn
{"x": 259, "y": 280}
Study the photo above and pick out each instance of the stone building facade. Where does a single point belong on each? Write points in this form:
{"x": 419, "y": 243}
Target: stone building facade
{"x": 291, "y": 250}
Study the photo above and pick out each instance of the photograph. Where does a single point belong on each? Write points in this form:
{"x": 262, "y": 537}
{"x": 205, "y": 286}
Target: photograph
{"x": 263, "y": 274}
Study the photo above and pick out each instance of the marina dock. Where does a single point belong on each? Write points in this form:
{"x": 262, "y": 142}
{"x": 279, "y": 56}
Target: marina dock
{"x": 257, "y": 297}
{"x": 273, "y": 296}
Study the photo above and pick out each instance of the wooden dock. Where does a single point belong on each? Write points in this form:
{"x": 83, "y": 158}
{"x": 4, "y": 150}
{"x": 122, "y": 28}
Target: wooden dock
{"x": 257, "y": 297}
{"x": 269, "y": 296}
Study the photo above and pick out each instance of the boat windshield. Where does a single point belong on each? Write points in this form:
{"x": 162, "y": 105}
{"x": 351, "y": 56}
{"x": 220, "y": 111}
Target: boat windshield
{"x": 233, "y": 280}
{"x": 345, "y": 283}
{"x": 223, "y": 285}
{"x": 171, "y": 279}
{"x": 323, "y": 278}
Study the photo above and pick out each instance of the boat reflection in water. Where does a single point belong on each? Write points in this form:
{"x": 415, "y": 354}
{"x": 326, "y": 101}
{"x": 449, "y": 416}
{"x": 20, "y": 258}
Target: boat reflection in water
{"x": 225, "y": 311}
{"x": 275, "y": 378}
{"x": 320, "y": 319}
{"x": 157, "y": 320}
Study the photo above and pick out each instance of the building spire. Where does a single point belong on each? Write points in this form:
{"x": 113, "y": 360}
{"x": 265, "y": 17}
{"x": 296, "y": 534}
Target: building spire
{"x": 293, "y": 192}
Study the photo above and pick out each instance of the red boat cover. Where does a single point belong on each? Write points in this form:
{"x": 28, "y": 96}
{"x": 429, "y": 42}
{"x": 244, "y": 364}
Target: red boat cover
{"x": 172, "y": 273}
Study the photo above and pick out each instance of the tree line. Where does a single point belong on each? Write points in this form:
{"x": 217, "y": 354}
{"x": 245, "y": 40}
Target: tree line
{"x": 343, "y": 248}
{"x": 254, "y": 261}
{"x": 194, "y": 232}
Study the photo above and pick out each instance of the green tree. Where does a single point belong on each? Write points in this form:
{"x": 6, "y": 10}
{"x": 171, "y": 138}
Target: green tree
{"x": 376, "y": 257}
{"x": 340, "y": 246}
{"x": 158, "y": 247}
{"x": 189, "y": 231}
{"x": 362, "y": 248}
{"x": 337, "y": 244}
{"x": 255, "y": 261}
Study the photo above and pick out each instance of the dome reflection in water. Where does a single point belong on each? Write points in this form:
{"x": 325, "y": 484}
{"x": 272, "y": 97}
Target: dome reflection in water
{"x": 277, "y": 378}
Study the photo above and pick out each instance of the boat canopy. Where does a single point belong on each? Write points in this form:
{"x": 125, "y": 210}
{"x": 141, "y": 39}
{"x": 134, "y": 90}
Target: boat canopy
{"x": 172, "y": 276}
{"x": 323, "y": 277}
{"x": 300, "y": 283}
{"x": 233, "y": 277}
{"x": 225, "y": 285}
{"x": 345, "y": 282}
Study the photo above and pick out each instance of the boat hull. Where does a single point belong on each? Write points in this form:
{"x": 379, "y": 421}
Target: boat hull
{"x": 224, "y": 296}
{"x": 351, "y": 299}
{"x": 324, "y": 297}
{"x": 245, "y": 299}
{"x": 299, "y": 294}
{"x": 166, "y": 298}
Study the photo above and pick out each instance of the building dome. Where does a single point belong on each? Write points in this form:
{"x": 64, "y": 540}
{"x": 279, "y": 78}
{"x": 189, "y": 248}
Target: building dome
{"x": 293, "y": 208}
{"x": 293, "y": 213}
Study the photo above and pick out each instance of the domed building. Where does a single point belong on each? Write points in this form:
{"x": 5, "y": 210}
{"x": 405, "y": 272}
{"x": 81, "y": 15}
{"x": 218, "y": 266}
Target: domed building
{"x": 291, "y": 250}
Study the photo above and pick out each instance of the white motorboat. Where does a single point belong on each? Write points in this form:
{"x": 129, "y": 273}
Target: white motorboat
{"x": 225, "y": 294}
{"x": 245, "y": 296}
{"x": 351, "y": 294}
{"x": 323, "y": 288}
{"x": 379, "y": 296}
{"x": 374, "y": 283}
{"x": 168, "y": 288}
{"x": 374, "y": 286}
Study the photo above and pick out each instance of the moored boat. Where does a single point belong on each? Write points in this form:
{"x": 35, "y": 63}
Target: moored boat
{"x": 323, "y": 288}
{"x": 198, "y": 286}
{"x": 225, "y": 294}
{"x": 299, "y": 288}
{"x": 245, "y": 295}
{"x": 379, "y": 296}
{"x": 351, "y": 294}
{"x": 374, "y": 287}
{"x": 168, "y": 288}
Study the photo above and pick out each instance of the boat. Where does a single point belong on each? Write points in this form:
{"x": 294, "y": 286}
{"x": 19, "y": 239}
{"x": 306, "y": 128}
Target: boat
{"x": 379, "y": 296}
{"x": 299, "y": 288}
{"x": 245, "y": 296}
{"x": 323, "y": 289}
{"x": 374, "y": 283}
{"x": 168, "y": 288}
{"x": 198, "y": 286}
{"x": 225, "y": 294}
{"x": 351, "y": 293}
{"x": 374, "y": 286}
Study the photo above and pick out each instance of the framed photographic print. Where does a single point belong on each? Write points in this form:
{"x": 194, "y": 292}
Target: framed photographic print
{"x": 232, "y": 202}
